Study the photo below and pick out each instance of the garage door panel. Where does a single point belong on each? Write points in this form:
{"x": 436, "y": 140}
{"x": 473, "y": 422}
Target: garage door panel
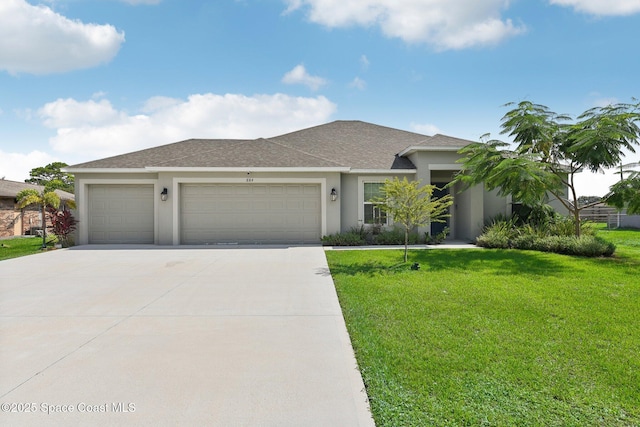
{"x": 121, "y": 213}
{"x": 250, "y": 213}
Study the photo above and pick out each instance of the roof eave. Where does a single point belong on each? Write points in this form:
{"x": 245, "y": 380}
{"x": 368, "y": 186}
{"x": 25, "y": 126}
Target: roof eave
{"x": 383, "y": 171}
{"x": 105, "y": 170}
{"x": 247, "y": 169}
{"x": 416, "y": 148}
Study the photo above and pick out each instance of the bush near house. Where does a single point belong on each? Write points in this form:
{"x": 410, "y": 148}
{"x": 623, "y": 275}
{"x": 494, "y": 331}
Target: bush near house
{"x": 64, "y": 224}
{"x": 369, "y": 236}
{"x": 546, "y": 232}
{"x": 353, "y": 237}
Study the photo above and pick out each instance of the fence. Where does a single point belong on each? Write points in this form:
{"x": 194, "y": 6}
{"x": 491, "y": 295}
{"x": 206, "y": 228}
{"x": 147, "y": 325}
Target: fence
{"x": 610, "y": 216}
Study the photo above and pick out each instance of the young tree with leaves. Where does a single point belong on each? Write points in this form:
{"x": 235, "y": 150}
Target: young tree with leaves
{"x": 549, "y": 152}
{"x": 411, "y": 205}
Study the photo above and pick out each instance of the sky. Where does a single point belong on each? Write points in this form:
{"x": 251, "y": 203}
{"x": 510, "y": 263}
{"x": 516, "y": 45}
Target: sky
{"x": 86, "y": 79}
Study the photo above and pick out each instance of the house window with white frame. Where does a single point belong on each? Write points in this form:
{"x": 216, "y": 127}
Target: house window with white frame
{"x": 373, "y": 214}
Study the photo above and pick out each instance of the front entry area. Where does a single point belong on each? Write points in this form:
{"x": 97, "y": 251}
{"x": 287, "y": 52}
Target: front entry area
{"x": 438, "y": 227}
{"x": 249, "y": 213}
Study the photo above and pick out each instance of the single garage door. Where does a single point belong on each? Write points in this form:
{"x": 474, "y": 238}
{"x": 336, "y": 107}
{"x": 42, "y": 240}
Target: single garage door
{"x": 121, "y": 214}
{"x": 250, "y": 213}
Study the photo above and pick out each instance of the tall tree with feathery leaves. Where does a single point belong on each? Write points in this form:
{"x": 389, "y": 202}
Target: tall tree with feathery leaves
{"x": 549, "y": 152}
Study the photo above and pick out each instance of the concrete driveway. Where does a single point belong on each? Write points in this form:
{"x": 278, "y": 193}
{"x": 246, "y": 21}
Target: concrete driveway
{"x": 175, "y": 336}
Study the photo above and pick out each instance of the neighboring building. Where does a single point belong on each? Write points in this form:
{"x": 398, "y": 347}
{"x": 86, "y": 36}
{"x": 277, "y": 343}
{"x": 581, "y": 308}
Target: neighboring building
{"x": 15, "y": 221}
{"x": 292, "y": 188}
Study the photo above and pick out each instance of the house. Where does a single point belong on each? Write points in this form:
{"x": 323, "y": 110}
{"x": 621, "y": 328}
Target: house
{"x": 292, "y": 188}
{"x": 15, "y": 221}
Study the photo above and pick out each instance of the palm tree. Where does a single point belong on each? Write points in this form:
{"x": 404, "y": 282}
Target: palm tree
{"x": 42, "y": 199}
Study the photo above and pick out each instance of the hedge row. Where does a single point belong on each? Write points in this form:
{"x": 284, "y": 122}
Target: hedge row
{"x": 588, "y": 246}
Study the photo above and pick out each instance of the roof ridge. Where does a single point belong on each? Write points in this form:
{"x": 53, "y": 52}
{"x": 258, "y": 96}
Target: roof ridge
{"x": 349, "y": 121}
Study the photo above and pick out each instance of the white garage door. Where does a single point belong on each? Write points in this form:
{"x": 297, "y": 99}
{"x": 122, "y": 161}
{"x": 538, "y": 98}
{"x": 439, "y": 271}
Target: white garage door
{"x": 250, "y": 213}
{"x": 121, "y": 213}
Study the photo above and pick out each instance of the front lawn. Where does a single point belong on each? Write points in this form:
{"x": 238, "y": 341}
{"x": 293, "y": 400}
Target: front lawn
{"x": 496, "y": 337}
{"x": 20, "y": 246}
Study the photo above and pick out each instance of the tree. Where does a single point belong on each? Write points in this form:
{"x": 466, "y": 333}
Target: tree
{"x": 626, "y": 194}
{"x": 549, "y": 152}
{"x": 583, "y": 200}
{"x": 43, "y": 200}
{"x": 412, "y": 206}
{"x": 52, "y": 177}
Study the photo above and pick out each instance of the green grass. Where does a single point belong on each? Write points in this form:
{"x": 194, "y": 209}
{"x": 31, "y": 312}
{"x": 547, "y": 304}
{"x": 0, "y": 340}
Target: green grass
{"x": 20, "y": 246}
{"x": 496, "y": 337}
{"x": 626, "y": 240}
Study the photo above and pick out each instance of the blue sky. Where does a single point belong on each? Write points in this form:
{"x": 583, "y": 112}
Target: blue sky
{"x": 85, "y": 79}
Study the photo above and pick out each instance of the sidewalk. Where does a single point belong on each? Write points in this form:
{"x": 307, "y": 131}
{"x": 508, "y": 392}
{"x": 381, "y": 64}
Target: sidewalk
{"x": 449, "y": 244}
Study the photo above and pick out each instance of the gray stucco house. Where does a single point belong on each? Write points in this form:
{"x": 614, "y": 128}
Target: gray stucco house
{"x": 292, "y": 188}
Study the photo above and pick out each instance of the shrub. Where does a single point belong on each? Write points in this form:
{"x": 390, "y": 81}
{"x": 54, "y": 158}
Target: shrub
{"x": 64, "y": 224}
{"x": 534, "y": 215}
{"x": 354, "y": 237}
{"x": 438, "y": 238}
{"x": 394, "y": 236}
{"x": 556, "y": 235}
{"x": 589, "y": 246}
{"x": 498, "y": 234}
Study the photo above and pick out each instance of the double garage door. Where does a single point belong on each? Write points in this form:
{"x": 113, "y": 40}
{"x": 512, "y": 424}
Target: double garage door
{"x": 250, "y": 213}
{"x": 209, "y": 213}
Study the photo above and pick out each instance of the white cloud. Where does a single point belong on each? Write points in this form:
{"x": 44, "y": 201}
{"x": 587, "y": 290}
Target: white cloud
{"x": 37, "y": 40}
{"x": 103, "y": 131}
{"x": 299, "y": 75}
{"x": 98, "y": 95}
{"x": 16, "y": 166}
{"x": 358, "y": 83}
{"x": 444, "y": 24}
{"x": 69, "y": 112}
{"x": 158, "y": 103}
{"x": 426, "y": 128}
{"x": 364, "y": 61}
{"x": 603, "y": 8}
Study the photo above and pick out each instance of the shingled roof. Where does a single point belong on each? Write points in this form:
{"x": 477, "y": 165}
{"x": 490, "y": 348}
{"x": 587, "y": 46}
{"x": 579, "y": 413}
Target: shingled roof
{"x": 348, "y": 144}
{"x": 12, "y": 188}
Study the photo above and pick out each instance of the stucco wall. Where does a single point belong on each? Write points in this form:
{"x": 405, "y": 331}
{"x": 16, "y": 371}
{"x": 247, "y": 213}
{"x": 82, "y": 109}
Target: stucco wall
{"x": 349, "y": 202}
{"x": 495, "y": 205}
{"x": 469, "y": 212}
{"x": 167, "y": 212}
{"x": 353, "y": 196}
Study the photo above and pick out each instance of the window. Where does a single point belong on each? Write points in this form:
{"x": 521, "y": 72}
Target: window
{"x": 372, "y": 212}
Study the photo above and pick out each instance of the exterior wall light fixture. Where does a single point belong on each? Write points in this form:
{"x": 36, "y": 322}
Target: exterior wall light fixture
{"x": 334, "y": 195}
{"x": 164, "y": 194}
